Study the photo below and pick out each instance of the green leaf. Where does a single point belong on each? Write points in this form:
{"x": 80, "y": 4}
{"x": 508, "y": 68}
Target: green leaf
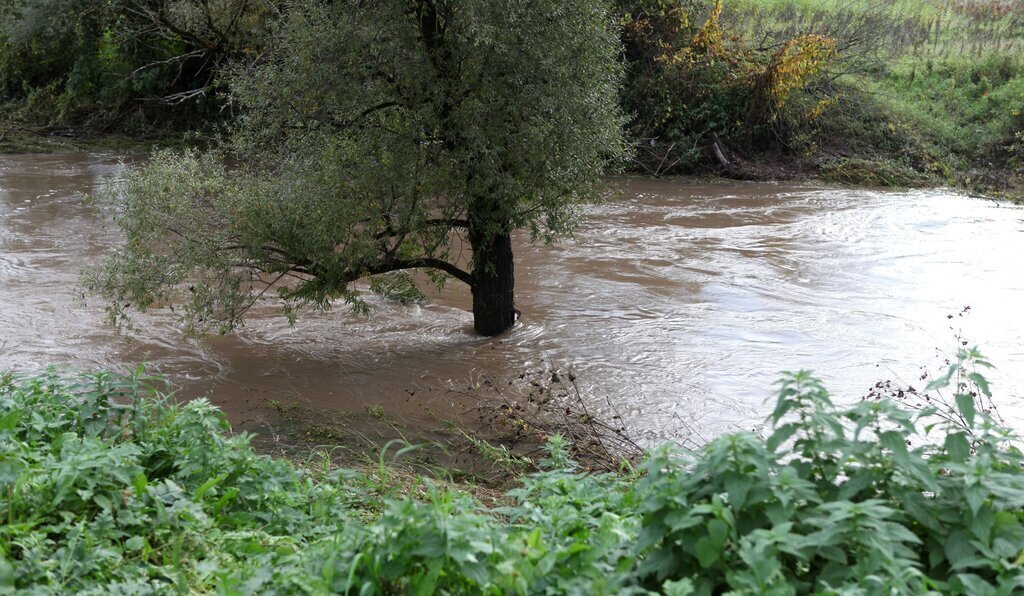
{"x": 7, "y": 577}
{"x": 682, "y": 587}
{"x": 781, "y": 435}
{"x": 784, "y": 406}
{"x": 681, "y": 519}
{"x": 958, "y": 549}
{"x": 965, "y": 403}
{"x": 975, "y": 495}
{"x": 856, "y": 483}
{"x": 981, "y": 524}
{"x": 975, "y": 585}
{"x": 707, "y": 552}
{"x": 660, "y": 563}
{"x": 957, "y": 446}
{"x": 103, "y": 502}
{"x": 943, "y": 381}
{"x": 981, "y": 382}
{"x": 139, "y": 483}
{"x": 718, "y": 532}
{"x": 738, "y": 487}
{"x": 212, "y": 482}
{"x": 135, "y": 543}
{"x": 894, "y": 442}
{"x": 10, "y": 420}
{"x": 226, "y": 498}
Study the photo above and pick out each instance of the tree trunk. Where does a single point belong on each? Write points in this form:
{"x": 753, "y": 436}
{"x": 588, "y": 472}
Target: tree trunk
{"x": 493, "y": 280}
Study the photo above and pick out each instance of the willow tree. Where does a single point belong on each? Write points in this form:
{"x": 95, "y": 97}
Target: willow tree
{"x": 377, "y": 137}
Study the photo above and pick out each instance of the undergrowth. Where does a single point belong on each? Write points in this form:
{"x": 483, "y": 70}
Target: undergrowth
{"x": 110, "y": 486}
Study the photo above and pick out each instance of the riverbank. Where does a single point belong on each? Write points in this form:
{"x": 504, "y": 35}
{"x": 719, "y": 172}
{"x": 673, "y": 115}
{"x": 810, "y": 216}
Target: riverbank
{"x": 108, "y": 485}
{"x": 910, "y": 93}
{"x": 1004, "y": 183}
{"x": 902, "y": 94}
{"x": 19, "y": 136}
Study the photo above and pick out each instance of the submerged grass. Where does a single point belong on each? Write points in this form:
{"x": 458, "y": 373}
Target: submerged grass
{"x": 109, "y": 486}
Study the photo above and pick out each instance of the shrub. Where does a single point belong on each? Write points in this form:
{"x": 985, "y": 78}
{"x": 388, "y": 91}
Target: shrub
{"x": 123, "y": 63}
{"x": 688, "y": 78}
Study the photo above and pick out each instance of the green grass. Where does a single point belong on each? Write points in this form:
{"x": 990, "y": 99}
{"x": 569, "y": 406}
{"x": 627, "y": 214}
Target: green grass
{"x": 933, "y": 90}
{"x": 964, "y": 112}
{"x": 109, "y": 486}
{"x": 921, "y": 27}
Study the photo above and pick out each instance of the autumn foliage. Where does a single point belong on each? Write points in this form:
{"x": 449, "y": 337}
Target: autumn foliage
{"x": 688, "y": 79}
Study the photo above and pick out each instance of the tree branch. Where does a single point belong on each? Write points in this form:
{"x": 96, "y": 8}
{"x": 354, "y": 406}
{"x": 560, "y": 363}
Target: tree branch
{"x": 424, "y": 262}
{"x": 449, "y": 223}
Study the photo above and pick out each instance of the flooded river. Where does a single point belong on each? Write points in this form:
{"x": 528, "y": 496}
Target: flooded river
{"x": 679, "y": 301}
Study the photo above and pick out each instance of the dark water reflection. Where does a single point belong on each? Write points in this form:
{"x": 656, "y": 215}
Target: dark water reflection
{"x": 681, "y": 302}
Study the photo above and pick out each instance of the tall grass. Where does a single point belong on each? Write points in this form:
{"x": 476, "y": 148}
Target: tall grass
{"x": 936, "y": 28}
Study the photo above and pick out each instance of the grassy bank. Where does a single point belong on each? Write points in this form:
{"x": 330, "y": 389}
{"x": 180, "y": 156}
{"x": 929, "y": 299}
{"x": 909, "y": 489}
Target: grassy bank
{"x": 906, "y": 93}
{"x": 106, "y": 485}
{"x": 924, "y": 91}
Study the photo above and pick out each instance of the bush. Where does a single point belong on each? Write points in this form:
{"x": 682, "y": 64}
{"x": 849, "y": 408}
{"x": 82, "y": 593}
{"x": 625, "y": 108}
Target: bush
{"x": 125, "y": 64}
{"x": 841, "y": 500}
{"x": 109, "y": 486}
{"x": 688, "y": 78}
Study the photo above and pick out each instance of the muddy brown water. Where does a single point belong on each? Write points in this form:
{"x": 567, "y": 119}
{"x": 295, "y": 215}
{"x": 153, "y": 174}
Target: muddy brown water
{"x": 680, "y": 302}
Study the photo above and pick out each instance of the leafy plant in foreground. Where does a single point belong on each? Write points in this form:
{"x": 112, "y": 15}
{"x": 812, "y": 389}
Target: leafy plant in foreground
{"x": 108, "y": 485}
{"x": 840, "y": 500}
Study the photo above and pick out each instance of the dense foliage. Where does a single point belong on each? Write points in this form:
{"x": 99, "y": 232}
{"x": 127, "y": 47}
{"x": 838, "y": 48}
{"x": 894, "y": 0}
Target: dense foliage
{"x": 129, "y": 64}
{"x": 923, "y": 90}
{"x": 689, "y": 79}
{"x": 108, "y": 486}
{"x": 379, "y": 137}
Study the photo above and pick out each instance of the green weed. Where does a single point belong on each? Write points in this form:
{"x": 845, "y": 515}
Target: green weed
{"x": 108, "y": 485}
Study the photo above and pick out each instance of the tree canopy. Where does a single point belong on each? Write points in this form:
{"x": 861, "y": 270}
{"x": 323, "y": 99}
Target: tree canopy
{"x": 373, "y": 138}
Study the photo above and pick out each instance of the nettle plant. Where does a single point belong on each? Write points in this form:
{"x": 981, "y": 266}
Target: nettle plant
{"x": 108, "y": 486}
{"x": 867, "y": 499}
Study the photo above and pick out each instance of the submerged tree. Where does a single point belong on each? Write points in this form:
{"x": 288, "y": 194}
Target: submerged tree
{"x": 378, "y": 137}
